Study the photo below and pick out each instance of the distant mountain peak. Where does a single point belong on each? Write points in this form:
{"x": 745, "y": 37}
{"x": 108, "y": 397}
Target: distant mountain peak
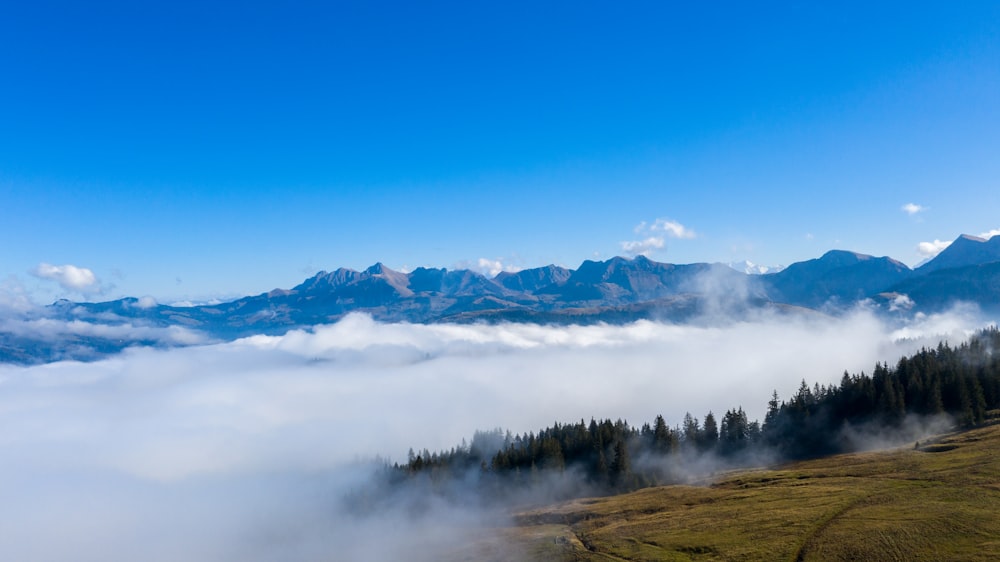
{"x": 842, "y": 258}
{"x": 969, "y": 237}
{"x": 751, "y": 268}
{"x": 964, "y": 251}
{"x": 839, "y": 276}
{"x": 378, "y": 269}
{"x": 615, "y": 290}
{"x": 845, "y": 255}
{"x": 533, "y": 279}
{"x": 340, "y": 276}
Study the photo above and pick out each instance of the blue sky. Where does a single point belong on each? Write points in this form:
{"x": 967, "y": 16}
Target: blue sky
{"x": 190, "y": 152}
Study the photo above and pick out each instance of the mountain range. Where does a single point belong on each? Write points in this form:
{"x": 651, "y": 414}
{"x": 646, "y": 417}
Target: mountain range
{"x": 615, "y": 291}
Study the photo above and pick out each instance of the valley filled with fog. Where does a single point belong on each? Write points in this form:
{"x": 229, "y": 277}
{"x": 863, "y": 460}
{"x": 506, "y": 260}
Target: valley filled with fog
{"x": 246, "y": 449}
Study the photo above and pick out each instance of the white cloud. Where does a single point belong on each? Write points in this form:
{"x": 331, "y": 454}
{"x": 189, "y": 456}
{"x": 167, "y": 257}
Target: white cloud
{"x": 188, "y": 303}
{"x": 51, "y": 329}
{"x": 990, "y": 233}
{"x": 912, "y": 209}
{"x": 642, "y": 247}
{"x": 486, "y": 266}
{"x": 900, "y": 303}
{"x": 954, "y": 326}
{"x": 656, "y": 235}
{"x": 242, "y": 450}
{"x": 493, "y": 267}
{"x": 69, "y": 277}
{"x": 672, "y": 228}
{"x": 931, "y": 249}
{"x": 13, "y": 296}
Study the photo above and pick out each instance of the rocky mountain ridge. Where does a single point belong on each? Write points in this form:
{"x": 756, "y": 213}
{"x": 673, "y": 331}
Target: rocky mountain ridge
{"x": 616, "y": 290}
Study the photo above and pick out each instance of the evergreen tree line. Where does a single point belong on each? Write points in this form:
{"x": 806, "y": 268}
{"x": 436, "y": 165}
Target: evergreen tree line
{"x": 962, "y": 382}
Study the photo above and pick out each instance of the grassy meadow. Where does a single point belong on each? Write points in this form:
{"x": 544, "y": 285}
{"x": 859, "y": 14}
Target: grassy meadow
{"x": 940, "y": 501}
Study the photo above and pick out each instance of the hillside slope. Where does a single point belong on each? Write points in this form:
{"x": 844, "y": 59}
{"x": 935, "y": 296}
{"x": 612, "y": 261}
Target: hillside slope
{"x": 937, "y": 502}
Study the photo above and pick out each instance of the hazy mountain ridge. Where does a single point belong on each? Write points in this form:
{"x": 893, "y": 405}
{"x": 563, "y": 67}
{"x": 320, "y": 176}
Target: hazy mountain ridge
{"x": 838, "y": 277}
{"x": 617, "y": 290}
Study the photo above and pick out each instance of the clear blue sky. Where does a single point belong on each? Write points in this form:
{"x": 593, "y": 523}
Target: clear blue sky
{"x": 190, "y": 152}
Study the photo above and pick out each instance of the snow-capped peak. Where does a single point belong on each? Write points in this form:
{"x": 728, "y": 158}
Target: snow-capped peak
{"x": 750, "y": 268}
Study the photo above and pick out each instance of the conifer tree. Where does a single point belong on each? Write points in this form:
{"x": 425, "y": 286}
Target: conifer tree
{"x": 709, "y": 432}
{"x": 691, "y": 429}
{"x": 621, "y": 467}
{"x": 662, "y": 442}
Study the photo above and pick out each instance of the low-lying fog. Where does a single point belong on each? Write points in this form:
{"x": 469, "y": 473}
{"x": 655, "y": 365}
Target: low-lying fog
{"x": 241, "y": 451}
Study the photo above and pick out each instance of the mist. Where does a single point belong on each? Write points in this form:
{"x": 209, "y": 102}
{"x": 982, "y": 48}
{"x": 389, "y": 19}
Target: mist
{"x": 244, "y": 450}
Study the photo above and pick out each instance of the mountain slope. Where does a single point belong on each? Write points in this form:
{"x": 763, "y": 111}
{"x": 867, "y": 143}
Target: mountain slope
{"x": 964, "y": 251}
{"x": 622, "y": 281}
{"x": 837, "y": 278}
{"x": 935, "y": 502}
{"x": 531, "y": 280}
{"x": 938, "y": 290}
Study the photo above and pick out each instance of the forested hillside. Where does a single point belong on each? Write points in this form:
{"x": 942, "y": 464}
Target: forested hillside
{"x": 947, "y": 385}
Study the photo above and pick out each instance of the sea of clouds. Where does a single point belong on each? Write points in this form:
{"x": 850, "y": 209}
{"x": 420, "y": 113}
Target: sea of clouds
{"x": 243, "y": 450}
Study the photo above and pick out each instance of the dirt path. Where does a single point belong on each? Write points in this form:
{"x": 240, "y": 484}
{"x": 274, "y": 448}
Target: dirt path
{"x": 811, "y": 538}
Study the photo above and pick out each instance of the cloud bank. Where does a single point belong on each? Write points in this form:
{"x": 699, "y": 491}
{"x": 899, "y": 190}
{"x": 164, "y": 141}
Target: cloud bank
{"x": 242, "y": 450}
{"x": 50, "y": 329}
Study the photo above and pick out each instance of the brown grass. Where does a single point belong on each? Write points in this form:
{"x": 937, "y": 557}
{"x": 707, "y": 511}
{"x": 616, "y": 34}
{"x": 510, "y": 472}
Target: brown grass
{"x": 940, "y": 502}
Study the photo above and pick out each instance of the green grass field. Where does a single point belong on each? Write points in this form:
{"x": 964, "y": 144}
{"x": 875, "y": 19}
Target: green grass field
{"x": 940, "y": 502}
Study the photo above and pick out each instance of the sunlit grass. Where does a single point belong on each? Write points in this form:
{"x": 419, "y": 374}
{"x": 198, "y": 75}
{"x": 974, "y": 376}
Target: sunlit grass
{"x": 938, "y": 502}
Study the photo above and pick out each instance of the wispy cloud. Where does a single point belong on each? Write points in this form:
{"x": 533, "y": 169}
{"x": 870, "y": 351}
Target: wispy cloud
{"x": 672, "y": 229}
{"x": 643, "y": 247}
{"x": 901, "y": 303}
{"x": 655, "y": 236}
{"x": 495, "y": 266}
{"x": 69, "y": 277}
{"x": 487, "y": 266}
{"x": 913, "y": 209}
{"x": 112, "y": 328}
{"x": 13, "y": 295}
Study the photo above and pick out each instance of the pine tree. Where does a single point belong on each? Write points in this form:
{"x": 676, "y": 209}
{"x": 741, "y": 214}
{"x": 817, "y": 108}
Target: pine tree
{"x": 552, "y": 455}
{"x": 662, "y": 441}
{"x": 978, "y": 401}
{"x": 709, "y": 432}
{"x": 692, "y": 430}
{"x": 621, "y": 467}
{"x": 601, "y": 472}
{"x": 773, "y": 408}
